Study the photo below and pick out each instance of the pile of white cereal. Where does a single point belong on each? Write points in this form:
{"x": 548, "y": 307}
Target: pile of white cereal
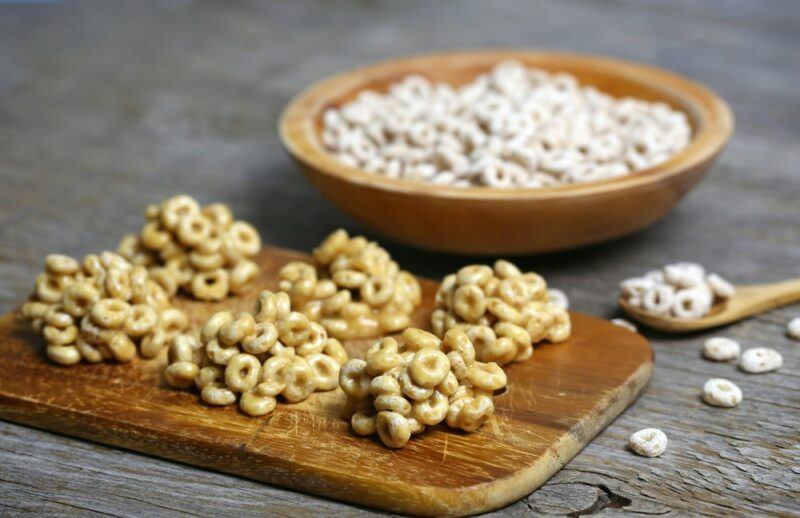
{"x": 512, "y": 127}
{"x": 682, "y": 290}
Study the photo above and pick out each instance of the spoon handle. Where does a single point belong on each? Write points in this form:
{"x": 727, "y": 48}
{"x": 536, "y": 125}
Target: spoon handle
{"x": 763, "y": 297}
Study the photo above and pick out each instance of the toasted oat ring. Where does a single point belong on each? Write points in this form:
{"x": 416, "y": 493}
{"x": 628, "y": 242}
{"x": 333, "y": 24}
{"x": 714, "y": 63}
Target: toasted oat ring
{"x": 245, "y": 237}
{"x": 294, "y": 330}
{"x": 254, "y": 404}
{"x": 363, "y": 423}
{"x": 242, "y": 372}
{"x": 326, "y": 370}
{"x": 429, "y": 367}
{"x": 416, "y": 339}
{"x": 219, "y": 214}
{"x": 193, "y": 229}
{"x": 300, "y": 380}
{"x": 211, "y": 285}
{"x": 469, "y": 302}
{"x": 63, "y": 354}
{"x": 487, "y": 376}
{"x": 176, "y": 208}
{"x": 393, "y": 429}
{"x": 59, "y": 264}
{"x": 474, "y": 274}
{"x": 237, "y": 330}
{"x": 110, "y": 313}
{"x": 141, "y": 320}
{"x": 271, "y": 382}
{"x": 57, "y": 336}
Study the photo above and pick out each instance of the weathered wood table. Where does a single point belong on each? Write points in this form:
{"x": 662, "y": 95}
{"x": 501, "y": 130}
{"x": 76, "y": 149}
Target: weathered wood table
{"x": 105, "y": 107}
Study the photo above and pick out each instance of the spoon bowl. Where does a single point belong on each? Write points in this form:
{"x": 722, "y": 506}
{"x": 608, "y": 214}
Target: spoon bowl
{"x": 747, "y": 301}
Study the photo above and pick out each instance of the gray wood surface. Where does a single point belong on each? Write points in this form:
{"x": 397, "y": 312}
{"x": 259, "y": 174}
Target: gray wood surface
{"x": 108, "y": 106}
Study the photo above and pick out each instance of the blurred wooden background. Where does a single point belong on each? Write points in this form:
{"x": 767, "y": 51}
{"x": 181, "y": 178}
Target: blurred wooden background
{"x": 108, "y": 106}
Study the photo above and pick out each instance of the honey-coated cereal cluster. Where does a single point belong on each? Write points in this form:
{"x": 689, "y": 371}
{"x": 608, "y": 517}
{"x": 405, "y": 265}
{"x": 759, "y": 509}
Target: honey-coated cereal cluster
{"x": 354, "y": 289}
{"x": 200, "y": 250}
{"x": 256, "y": 357}
{"x": 502, "y": 310}
{"x": 398, "y": 391}
{"x": 100, "y": 309}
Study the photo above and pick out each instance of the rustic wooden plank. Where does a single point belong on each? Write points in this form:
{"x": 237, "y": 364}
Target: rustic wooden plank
{"x": 105, "y": 108}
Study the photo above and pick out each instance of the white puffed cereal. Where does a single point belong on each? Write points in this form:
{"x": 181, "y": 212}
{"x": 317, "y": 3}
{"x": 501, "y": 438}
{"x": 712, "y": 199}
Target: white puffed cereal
{"x": 621, "y": 322}
{"x": 760, "y": 360}
{"x": 793, "y": 328}
{"x": 721, "y": 288}
{"x": 721, "y": 349}
{"x": 681, "y": 290}
{"x": 512, "y": 127}
{"x": 721, "y": 392}
{"x": 650, "y": 442}
{"x": 558, "y": 297}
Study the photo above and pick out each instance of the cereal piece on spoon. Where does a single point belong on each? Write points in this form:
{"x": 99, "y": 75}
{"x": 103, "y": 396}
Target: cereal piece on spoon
{"x": 682, "y": 290}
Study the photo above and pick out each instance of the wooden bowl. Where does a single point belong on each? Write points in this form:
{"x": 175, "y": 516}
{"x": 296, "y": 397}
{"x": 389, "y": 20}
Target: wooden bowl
{"x": 481, "y": 220}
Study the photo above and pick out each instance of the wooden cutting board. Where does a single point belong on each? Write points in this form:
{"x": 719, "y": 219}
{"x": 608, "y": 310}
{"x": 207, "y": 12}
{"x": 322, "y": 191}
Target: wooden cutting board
{"x": 555, "y": 404}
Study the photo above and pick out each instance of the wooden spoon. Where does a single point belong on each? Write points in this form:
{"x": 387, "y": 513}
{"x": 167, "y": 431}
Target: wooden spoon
{"x": 748, "y": 301}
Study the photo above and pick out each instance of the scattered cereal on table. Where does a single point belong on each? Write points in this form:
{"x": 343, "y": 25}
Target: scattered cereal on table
{"x": 721, "y": 349}
{"x": 793, "y": 328}
{"x": 721, "y": 392}
{"x": 760, "y": 360}
{"x": 650, "y": 442}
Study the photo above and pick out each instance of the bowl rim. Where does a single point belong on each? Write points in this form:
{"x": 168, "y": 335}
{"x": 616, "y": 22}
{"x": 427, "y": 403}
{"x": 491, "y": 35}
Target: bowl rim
{"x": 298, "y": 134}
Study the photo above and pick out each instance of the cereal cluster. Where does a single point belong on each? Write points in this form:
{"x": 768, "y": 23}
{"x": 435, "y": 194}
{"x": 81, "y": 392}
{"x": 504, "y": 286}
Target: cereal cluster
{"x": 200, "y": 250}
{"x": 101, "y": 309}
{"x": 513, "y": 127}
{"x": 398, "y": 391}
{"x": 354, "y": 290}
{"x": 256, "y": 357}
{"x": 503, "y": 311}
{"x": 682, "y": 290}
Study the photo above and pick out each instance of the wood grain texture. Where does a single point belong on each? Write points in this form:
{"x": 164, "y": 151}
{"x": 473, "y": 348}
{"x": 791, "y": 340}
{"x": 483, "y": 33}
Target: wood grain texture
{"x": 552, "y": 408}
{"x": 490, "y": 221}
{"x": 105, "y": 108}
